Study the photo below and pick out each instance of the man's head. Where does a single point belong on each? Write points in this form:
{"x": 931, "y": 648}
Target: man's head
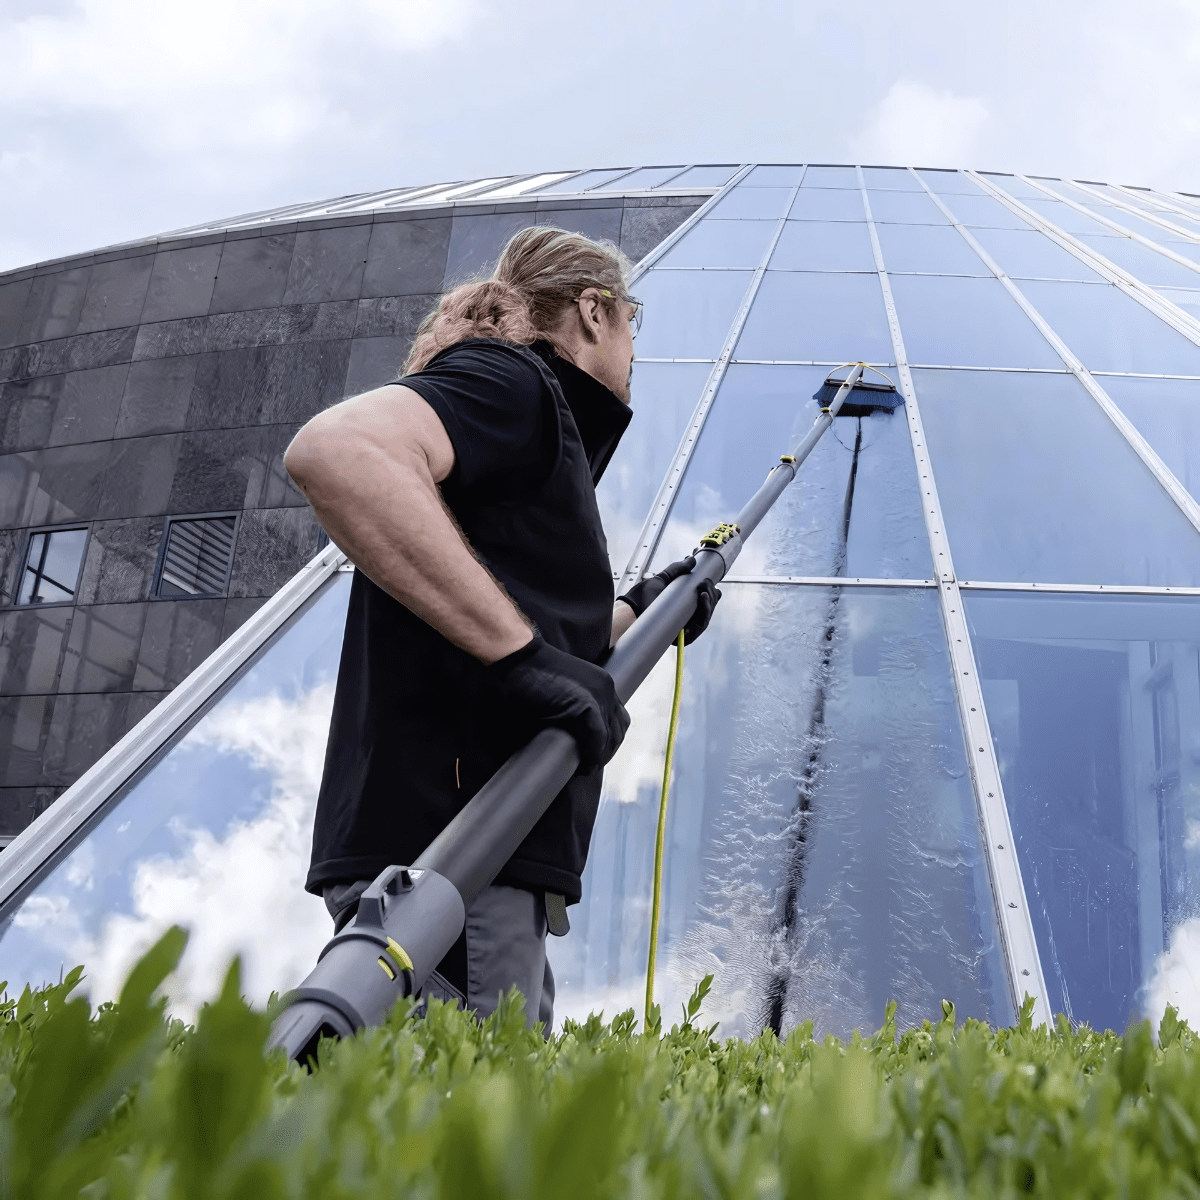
{"x": 549, "y": 284}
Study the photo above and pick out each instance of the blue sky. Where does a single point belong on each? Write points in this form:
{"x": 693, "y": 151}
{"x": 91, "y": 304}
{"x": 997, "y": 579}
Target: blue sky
{"x": 123, "y": 118}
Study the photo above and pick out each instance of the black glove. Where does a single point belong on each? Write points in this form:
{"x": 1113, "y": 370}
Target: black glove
{"x": 542, "y": 686}
{"x": 643, "y": 594}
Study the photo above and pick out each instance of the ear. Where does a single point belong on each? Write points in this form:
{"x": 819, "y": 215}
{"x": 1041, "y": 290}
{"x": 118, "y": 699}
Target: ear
{"x": 591, "y": 313}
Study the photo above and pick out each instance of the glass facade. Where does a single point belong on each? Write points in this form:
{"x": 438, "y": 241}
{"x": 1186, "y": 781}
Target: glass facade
{"x": 968, "y": 630}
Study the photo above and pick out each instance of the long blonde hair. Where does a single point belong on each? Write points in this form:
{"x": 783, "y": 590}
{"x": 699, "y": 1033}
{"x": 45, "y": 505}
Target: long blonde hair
{"x": 540, "y": 274}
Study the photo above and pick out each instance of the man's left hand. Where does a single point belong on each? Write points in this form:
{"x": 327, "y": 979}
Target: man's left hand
{"x": 643, "y": 594}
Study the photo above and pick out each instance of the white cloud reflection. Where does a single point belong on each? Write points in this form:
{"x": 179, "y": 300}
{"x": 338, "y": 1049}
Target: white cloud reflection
{"x": 239, "y": 892}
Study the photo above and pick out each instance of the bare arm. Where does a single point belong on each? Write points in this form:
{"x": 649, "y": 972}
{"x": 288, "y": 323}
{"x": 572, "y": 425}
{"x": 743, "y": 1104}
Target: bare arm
{"x": 370, "y": 467}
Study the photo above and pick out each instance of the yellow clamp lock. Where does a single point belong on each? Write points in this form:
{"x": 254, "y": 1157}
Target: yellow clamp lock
{"x": 399, "y": 954}
{"x": 719, "y": 536}
{"x": 788, "y": 458}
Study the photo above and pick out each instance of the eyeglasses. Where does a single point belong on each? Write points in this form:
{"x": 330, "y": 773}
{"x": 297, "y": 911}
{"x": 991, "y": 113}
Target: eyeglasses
{"x": 635, "y": 317}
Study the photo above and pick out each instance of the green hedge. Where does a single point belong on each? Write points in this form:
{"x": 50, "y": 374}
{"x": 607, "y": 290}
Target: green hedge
{"x": 126, "y": 1103}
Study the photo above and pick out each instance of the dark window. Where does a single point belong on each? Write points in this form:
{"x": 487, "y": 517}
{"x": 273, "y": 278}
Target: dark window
{"x": 52, "y": 565}
{"x": 196, "y": 557}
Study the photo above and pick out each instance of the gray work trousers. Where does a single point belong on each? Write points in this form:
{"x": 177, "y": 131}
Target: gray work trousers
{"x": 506, "y": 947}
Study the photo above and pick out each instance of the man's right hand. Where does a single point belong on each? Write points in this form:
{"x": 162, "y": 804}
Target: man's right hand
{"x": 549, "y": 687}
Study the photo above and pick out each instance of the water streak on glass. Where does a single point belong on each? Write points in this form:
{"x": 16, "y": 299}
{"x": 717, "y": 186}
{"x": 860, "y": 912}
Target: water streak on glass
{"x": 845, "y": 514}
{"x": 214, "y": 835}
{"x": 1094, "y": 703}
{"x": 822, "y": 841}
{"x": 1037, "y": 484}
{"x": 664, "y": 397}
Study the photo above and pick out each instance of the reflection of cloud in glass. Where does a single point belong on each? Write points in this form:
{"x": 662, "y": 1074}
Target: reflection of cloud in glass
{"x": 1176, "y": 978}
{"x": 239, "y": 892}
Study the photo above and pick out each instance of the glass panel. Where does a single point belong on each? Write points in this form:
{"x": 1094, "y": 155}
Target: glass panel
{"x": 773, "y": 176}
{"x": 966, "y": 323}
{"x": 986, "y": 211}
{"x": 1037, "y": 484}
{"x": 831, "y": 177}
{"x": 704, "y": 177}
{"x": 52, "y": 566}
{"x": 1188, "y": 300}
{"x": 1176, "y": 218}
{"x": 950, "y": 183}
{"x": 817, "y": 317}
{"x": 827, "y": 204}
{"x": 522, "y": 186}
{"x": 214, "y": 836}
{"x": 589, "y": 179}
{"x": 890, "y": 179}
{"x": 756, "y": 203}
{"x": 1018, "y": 188}
{"x": 1066, "y": 218}
{"x": 857, "y": 514}
{"x": 822, "y": 845}
{"x": 648, "y": 177}
{"x": 688, "y": 313}
{"x": 1148, "y": 265}
{"x": 1156, "y": 233}
{"x": 721, "y": 244}
{"x": 664, "y": 397}
{"x": 824, "y": 246}
{"x": 1187, "y": 249}
{"x": 1110, "y": 331}
{"x": 1167, "y": 414}
{"x": 1094, "y": 702}
{"x": 1026, "y": 252}
{"x": 911, "y": 208}
{"x": 928, "y": 248}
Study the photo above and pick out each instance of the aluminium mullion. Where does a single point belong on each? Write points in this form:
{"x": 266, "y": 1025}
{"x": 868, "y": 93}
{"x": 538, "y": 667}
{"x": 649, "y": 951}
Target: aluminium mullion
{"x": 669, "y": 178}
{"x": 660, "y": 510}
{"x": 1157, "y": 202}
{"x": 1008, "y": 888}
{"x": 1097, "y": 589}
{"x": 1134, "y": 288}
{"x": 1140, "y": 238}
{"x": 1166, "y": 478}
{"x": 1188, "y": 235}
{"x": 1180, "y": 202}
{"x": 24, "y": 858}
{"x": 676, "y": 235}
{"x": 830, "y": 581}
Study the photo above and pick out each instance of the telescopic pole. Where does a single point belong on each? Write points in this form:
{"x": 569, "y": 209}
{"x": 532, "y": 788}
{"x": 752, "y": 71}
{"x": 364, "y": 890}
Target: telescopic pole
{"x": 409, "y": 917}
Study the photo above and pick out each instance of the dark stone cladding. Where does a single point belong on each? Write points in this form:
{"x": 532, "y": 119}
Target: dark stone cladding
{"x": 167, "y": 377}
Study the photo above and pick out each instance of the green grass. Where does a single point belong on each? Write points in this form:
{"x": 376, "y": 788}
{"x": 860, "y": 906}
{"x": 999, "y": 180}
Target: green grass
{"x": 124, "y": 1103}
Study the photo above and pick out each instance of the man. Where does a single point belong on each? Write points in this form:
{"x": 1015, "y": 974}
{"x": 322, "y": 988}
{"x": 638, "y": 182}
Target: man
{"x": 482, "y": 603}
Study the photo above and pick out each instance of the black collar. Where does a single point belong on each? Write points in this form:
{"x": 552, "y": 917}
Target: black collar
{"x": 600, "y": 416}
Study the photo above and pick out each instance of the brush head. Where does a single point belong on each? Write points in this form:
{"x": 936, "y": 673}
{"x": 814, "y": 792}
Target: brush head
{"x": 864, "y": 399}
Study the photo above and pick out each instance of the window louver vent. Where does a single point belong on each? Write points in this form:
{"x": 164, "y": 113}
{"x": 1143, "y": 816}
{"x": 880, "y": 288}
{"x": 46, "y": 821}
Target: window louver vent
{"x": 197, "y": 557}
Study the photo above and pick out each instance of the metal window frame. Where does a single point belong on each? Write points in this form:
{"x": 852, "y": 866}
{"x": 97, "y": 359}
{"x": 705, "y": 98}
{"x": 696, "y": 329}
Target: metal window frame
{"x": 1185, "y": 235}
{"x": 1179, "y": 320}
{"x": 1182, "y": 203}
{"x": 664, "y": 500}
{"x": 34, "y": 851}
{"x": 1181, "y": 497}
{"x": 1013, "y": 921}
{"x": 30, "y": 534}
{"x": 156, "y": 583}
{"x": 1140, "y": 238}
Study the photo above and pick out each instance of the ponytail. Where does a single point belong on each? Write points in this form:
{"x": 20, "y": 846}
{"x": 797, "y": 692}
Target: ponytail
{"x": 541, "y": 273}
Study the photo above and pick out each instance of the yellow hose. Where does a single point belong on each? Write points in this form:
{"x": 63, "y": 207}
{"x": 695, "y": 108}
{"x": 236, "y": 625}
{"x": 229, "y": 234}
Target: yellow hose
{"x": 656, "y": 898}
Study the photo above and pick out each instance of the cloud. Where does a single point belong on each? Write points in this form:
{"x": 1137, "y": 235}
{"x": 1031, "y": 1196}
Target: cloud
{"x": 1176, "y": 978}
{"x": 915, "y": 123}
{"x": 238, "y": 893}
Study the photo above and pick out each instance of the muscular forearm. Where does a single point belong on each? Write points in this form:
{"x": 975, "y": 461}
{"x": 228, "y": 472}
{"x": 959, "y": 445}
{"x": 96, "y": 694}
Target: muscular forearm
{"x": 380, "y": 504}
